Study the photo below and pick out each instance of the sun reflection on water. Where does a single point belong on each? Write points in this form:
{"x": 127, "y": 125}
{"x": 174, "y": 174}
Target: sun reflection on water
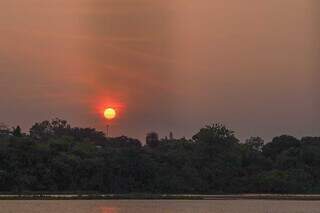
{"x": 109, "y": 210}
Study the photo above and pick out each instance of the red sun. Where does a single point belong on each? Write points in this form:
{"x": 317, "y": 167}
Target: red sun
{"x": 110, "y": 113}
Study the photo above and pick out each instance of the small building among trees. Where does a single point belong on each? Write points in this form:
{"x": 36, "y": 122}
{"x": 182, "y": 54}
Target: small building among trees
{"x": 152, "y": 139}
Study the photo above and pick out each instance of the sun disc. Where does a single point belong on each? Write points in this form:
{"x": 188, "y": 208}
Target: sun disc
{"x": 110, "y": 113}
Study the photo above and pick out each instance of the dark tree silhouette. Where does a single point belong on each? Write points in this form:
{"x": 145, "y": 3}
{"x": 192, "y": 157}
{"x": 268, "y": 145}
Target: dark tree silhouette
{"x": 55, "y": 157}
{"x": 17, "y": 131}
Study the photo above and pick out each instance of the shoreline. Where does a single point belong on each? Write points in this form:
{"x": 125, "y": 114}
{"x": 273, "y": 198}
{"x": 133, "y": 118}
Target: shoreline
{"x": 302, "y": 197}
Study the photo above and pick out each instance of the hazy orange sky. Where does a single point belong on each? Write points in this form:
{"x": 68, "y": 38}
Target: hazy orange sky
{"x": 169, "y": 65}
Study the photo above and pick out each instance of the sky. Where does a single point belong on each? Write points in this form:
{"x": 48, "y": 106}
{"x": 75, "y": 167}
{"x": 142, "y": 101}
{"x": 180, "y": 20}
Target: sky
{"x": 165, "y": 66}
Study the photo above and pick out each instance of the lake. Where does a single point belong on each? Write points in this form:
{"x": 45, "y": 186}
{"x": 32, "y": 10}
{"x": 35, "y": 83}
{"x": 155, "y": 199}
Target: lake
{"x": 157, "y": 206}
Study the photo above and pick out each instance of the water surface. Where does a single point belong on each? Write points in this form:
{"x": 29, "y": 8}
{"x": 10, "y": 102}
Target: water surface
{"x": 157, "y": 206}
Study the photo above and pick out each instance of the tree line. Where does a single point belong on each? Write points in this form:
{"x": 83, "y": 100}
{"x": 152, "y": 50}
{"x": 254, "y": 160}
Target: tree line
{"x": 55, "y": 157}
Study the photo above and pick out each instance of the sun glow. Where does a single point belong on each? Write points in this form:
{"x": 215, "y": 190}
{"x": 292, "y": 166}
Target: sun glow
{"x": 109, "y": 113}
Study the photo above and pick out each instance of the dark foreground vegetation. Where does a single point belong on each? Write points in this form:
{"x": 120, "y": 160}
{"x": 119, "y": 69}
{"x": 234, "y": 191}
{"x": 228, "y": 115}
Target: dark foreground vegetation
{"x": 54, "y": 157}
